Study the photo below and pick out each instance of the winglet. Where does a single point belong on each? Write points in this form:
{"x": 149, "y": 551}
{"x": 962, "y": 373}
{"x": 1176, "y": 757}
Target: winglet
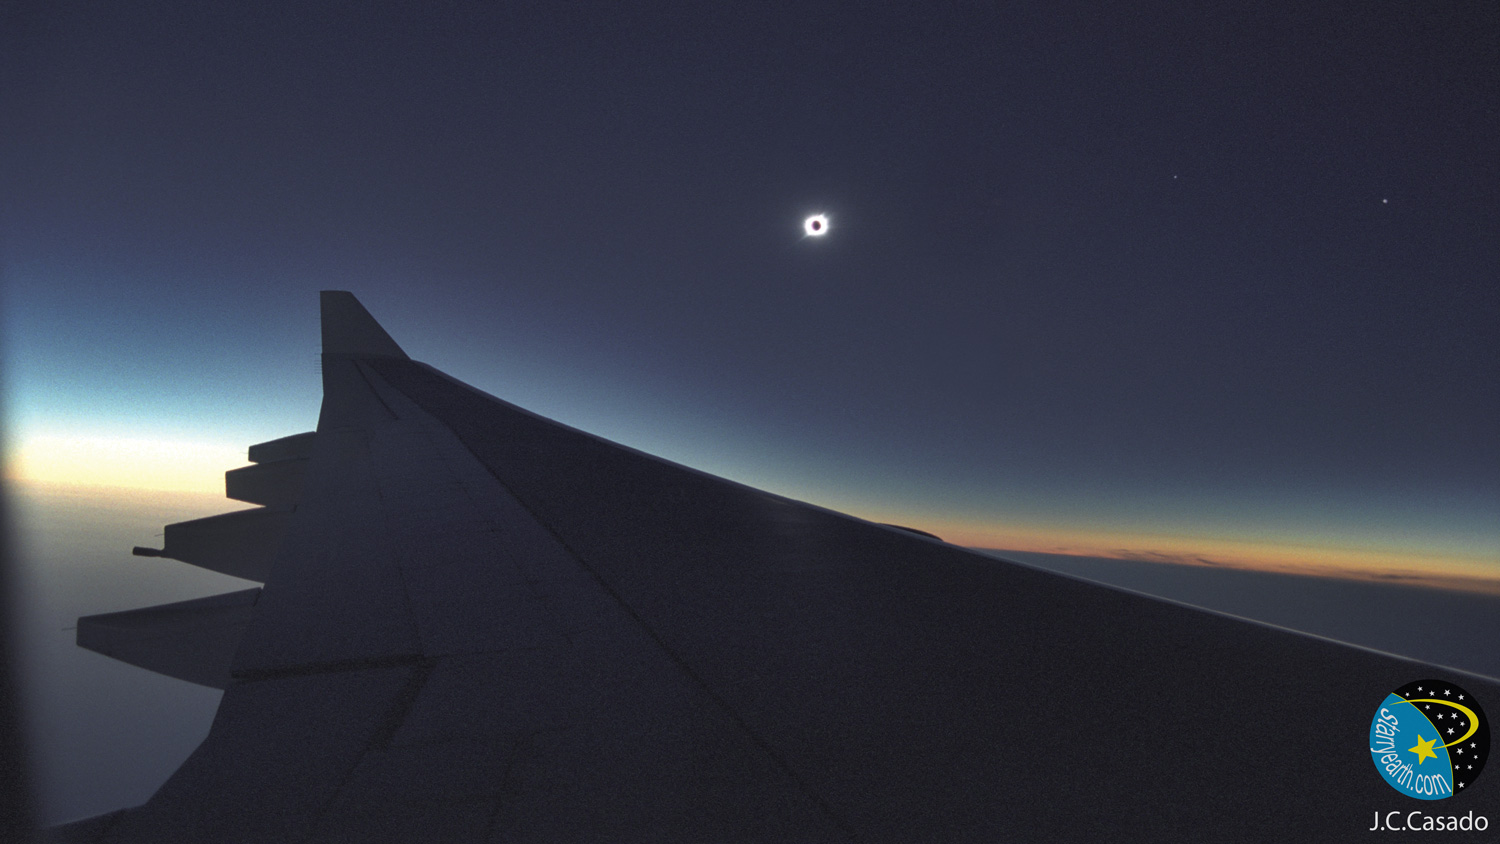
{"x": 348, "y": 329}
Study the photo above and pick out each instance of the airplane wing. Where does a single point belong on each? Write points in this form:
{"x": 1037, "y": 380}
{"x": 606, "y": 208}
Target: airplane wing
{"x": 477, "y": 624}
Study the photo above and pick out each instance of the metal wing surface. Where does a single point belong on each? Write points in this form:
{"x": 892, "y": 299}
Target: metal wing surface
{"x": 480, "y": 625}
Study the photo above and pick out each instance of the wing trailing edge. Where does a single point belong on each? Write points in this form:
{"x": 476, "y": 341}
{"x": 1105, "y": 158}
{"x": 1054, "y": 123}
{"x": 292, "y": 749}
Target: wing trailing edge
{"x": 482, "y": 625}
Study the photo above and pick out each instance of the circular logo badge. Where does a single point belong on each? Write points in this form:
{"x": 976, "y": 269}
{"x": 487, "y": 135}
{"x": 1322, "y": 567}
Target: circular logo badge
{"x": 1429, "y": 739}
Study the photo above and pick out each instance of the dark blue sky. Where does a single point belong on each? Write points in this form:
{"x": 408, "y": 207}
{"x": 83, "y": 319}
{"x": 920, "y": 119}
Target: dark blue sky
{"x": 1098, "y": 278}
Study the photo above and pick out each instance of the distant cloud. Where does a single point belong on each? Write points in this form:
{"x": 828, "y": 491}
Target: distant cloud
{"x": 1176, "y": 559}
{"x": 1300, "y": 562}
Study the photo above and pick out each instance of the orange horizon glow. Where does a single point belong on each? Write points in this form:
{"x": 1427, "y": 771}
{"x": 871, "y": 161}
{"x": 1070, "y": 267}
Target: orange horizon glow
{"x": 1433, "y": 569}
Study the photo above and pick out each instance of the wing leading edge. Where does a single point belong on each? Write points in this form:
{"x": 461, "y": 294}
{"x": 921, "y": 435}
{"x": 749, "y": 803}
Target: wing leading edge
{"x": 477, "y": 624}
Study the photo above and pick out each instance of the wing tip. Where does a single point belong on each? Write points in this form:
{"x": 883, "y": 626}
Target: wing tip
{"x": 348, "y": 329}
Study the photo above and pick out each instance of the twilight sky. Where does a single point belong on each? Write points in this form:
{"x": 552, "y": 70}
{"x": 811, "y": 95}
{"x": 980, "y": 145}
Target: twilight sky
{"x": 1181, "y": 283}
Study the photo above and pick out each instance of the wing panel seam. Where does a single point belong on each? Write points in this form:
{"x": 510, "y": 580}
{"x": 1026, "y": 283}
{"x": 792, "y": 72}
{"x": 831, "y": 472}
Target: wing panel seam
{"x": 671, "y": 654}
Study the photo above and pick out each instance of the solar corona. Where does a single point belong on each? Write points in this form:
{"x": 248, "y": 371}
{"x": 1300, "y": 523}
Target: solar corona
{"x": 816, "y": 225}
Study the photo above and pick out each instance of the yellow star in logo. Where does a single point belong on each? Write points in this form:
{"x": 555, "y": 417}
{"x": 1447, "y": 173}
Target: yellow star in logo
{"x": 1424, "y": 749}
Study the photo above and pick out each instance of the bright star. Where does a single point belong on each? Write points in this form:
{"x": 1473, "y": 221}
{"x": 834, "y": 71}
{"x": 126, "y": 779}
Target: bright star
{"x": 816, "y": 225}
{"x": 1423, "y": 749}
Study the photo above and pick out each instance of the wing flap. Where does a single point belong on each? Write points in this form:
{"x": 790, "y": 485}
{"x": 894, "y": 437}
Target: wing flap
{"x": 276, "y": 484}
{"x": 190, "y": 640}
{"x": 335, "y": 594}
{"x": 240, "y": 544}
{"x": 294, "y": 447}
